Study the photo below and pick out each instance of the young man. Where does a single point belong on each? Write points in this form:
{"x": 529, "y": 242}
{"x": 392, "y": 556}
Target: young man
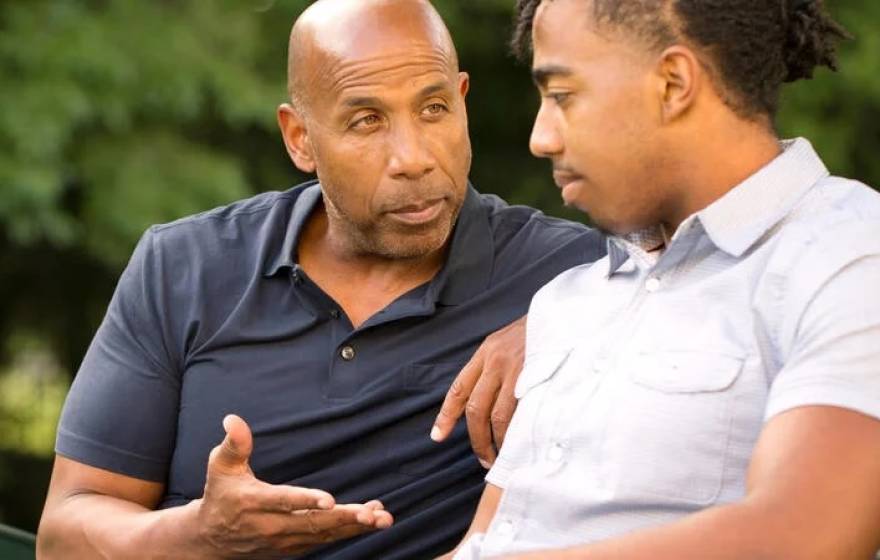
{"x": 711, "y": 389}
{"x": 331, "y": 319}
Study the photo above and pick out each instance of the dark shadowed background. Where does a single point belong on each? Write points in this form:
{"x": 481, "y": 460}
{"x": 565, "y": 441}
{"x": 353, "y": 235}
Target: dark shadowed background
{"x": 117, "y": 114}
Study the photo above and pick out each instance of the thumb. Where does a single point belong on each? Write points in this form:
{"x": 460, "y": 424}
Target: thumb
{"x": 233, "y": 453}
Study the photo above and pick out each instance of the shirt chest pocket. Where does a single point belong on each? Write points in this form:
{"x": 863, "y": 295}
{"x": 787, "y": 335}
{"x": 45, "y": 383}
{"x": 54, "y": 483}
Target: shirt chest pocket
{"x": 539, "y": 368}
{"x": 668, "y": 427}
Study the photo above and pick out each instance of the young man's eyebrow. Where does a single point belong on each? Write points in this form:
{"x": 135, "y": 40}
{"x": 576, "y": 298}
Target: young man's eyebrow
{"x": 542, "y": 74}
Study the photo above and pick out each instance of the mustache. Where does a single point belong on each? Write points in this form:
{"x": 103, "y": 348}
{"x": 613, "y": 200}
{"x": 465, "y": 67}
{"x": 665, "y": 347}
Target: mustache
{"x": 414, "y": 197}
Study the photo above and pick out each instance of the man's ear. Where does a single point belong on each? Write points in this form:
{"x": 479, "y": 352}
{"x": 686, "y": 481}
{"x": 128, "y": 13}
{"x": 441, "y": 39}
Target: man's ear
{"x": 681, "y": 79}
{"x": 464, "y": 83}
{"x": 296, "y": 138}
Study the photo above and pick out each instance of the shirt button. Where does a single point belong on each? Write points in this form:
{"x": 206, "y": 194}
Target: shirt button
{"x": 347, "y": 353}
{"x": 652, "y": 285}
{"x": 505, "y": 528}
{"x": 556, "y": 453}
{"x": 334, "y": 313}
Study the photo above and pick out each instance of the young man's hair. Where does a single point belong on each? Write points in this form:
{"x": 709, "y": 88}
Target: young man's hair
{"x": 752, "y": 47}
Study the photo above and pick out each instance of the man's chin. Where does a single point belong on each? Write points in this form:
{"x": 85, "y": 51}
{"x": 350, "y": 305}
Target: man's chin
{"x": 411, "y": 245}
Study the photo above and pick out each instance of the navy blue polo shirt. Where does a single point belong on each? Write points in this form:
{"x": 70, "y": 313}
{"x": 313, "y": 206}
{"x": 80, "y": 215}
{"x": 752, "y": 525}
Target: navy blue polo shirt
{"x": 213, "y": 316}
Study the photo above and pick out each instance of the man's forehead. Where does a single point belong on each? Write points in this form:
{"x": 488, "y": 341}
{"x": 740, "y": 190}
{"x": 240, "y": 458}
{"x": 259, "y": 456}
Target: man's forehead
{"x": 336, "y": 40}
{"x": 351, "y": 30}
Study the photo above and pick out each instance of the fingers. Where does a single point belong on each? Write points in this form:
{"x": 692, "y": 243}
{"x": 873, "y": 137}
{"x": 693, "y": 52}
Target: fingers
{"x": 484, "y": 390}
{"x": 233, "y": 453}
{"x": 502, "y": 412}
{"x": 477, "y": 412}
{"x": 457, "y": 397}
{"x": 298, "y": 544}
{"x": 287, "y": 499}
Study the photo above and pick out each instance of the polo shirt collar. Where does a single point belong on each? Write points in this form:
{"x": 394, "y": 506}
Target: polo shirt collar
{"x": 303, "y": 207}
{"x": 471, "y": 257}
{"x": 737, "y": 220}
{"x": 468, "y": 267}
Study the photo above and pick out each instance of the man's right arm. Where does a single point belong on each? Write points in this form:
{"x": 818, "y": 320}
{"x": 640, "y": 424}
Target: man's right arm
{"x": 93, "y": 513}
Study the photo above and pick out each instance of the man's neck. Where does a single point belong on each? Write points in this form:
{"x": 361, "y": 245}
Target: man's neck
{"x": 724, "y": 156}
{"x": 362, "y": 284}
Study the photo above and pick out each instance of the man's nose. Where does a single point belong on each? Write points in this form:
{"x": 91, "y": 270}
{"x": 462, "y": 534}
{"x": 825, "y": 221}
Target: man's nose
{"x": 411, "y": 156}
{"x": 545, "y": 140}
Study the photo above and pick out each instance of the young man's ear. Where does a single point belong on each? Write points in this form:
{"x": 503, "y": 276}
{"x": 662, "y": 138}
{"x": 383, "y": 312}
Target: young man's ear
{"x": 296, "y": 138}
{"x": 680, "y": 79}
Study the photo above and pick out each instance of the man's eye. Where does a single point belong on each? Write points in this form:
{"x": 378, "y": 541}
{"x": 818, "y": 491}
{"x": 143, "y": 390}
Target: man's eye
{"x": 434, "y": 109}
{"x": 558, "y": 97}
{"x": 368, "y": 121}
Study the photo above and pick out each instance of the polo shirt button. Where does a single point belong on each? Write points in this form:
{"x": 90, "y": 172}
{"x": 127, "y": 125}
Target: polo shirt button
{"x": 334, "y": 313}
{"x": 653, "y": 284}
{"x": 556, "y": 453}
{"x": 347, "y": 353}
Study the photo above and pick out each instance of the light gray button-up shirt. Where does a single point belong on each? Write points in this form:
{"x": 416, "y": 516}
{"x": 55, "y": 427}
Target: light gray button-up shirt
{"x": 647, "y": 381}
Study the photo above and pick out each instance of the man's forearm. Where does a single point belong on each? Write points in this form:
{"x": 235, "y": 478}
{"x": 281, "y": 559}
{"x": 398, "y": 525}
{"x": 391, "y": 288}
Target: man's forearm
{"x": 98, "y": 526}
{"x": 734, "y": 532}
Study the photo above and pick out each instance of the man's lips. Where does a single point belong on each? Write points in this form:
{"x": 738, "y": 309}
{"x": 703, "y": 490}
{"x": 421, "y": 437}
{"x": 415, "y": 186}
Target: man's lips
{"x": 420, "y": 212}
{"x": 564, "y": 178}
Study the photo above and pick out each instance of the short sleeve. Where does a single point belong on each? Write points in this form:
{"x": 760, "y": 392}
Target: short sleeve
{"x": 121, "y": 411}
{"x": 834, "y": 358}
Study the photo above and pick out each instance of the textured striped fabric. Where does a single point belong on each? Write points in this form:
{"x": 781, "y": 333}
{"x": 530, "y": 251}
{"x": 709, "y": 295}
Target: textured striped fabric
{"x": 646, "y": 384}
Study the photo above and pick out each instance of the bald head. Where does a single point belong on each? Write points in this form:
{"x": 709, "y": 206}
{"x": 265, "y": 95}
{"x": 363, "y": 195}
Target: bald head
{"x": 332, "y": 34}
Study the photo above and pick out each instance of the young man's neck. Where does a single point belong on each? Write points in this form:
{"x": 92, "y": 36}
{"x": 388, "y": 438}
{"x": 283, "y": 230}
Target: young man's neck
{"x": 717, "y": 158}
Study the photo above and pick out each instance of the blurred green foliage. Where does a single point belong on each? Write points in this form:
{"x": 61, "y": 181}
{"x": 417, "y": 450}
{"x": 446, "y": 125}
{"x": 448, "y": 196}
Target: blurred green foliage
{"x": 117, "y": 114}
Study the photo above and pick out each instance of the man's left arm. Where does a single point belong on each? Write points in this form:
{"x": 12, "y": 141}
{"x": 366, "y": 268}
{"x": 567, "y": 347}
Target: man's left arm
{"x": 483, "y": 391}
{"x": 813, "y": 493}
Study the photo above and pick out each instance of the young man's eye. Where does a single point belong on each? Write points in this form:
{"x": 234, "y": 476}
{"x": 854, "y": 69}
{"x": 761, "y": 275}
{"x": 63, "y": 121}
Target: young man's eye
{"x": 558, "y": 97}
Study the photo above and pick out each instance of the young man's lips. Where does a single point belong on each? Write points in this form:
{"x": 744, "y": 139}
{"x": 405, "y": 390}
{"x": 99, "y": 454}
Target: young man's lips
{"x": 562, "y": 178}
{"x": 419, "y": 213}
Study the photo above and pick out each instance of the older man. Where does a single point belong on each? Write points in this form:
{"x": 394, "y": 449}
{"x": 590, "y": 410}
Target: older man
{"x": 711, "y": 389}
{"x": 322, "y": 326}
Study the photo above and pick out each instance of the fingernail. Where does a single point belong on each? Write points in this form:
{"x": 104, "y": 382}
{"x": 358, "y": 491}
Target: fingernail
{"x": 435, "y": 433}
{"x": 325, "y": 503}
{"x": 486, "y": 464}
{"x": 226, "y": 420}
{"x": 383, "y": 523}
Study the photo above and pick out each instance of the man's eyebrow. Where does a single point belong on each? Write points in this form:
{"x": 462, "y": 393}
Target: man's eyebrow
{"x": 371, "y": 101}
{"x": 437, "y": 87}
{"x": 542, "y": 74}
{"x": 362, "y": 101}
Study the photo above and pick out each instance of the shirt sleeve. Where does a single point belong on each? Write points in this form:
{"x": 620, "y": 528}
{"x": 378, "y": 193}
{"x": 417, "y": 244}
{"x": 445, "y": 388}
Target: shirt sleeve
{"x": 834, "y": 355}
{"x": 121, "y": 411}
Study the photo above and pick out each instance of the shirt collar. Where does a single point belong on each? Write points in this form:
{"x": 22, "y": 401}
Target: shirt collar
{"x": 468, "y": 266}
{"x": 737, "y": 220}
{"x": 303, "y": 207}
